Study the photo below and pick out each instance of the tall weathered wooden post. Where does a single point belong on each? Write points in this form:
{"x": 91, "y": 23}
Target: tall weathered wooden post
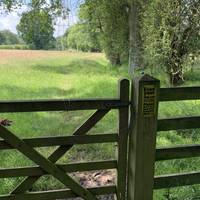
{"x": 123, "y": 140}
{"x": 142, "y": 146}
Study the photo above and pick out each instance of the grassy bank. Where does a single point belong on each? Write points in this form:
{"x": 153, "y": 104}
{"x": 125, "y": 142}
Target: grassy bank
{"x": 52, "y": 75}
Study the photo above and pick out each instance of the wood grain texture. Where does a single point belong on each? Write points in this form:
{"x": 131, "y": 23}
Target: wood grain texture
{"x": 142, "y": 144}
{"x": 68, "y": 168}
{"x": 65, "y": 140}
{"x": 45, "y": 164}
{"x": 27, "y": 183}
{"x": 176, "y": 180}
{"x": 60, "y": 105}
{"x": 179, "y": 93}
{"x": 57, "y": 194}
{"x": 178, "y": 123}
{"x": 123, "y": 140}
{"x": 177, "y": 152}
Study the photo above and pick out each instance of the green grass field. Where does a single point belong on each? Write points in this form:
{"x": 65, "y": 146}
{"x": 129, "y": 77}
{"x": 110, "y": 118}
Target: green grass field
{"x": 58, "y": 75}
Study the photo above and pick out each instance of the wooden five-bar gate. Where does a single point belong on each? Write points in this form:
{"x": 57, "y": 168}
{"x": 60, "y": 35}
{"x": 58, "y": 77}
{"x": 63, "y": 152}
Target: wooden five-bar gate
{"x": 137, "y": 129}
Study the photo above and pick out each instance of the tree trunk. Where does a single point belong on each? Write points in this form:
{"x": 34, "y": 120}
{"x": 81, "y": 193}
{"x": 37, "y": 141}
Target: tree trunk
{"x": 115, "y": 59}
{"x": 135, "y": 51}
{"x": 176, "y": 75}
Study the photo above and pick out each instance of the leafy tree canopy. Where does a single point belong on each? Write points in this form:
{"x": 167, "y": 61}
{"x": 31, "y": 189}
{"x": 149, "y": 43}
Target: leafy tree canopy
{"x": 36, "y": 28}
{"x": 171, "y": 33}
{"x": 52, "y": 6}
{"x": 110, "y": 20}
{"x": 80, "y": 37}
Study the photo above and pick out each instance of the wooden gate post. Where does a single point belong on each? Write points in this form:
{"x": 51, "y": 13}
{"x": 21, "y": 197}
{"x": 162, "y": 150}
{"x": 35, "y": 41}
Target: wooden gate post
{"x": 123, "y": 140}
{"x": 142, "y": 144}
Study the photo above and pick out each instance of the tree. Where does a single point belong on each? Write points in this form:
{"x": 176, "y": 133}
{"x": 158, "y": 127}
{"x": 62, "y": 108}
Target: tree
{"x": 110, "y": 19}
{"x": 80, "y": 38}
{"x": 172, "y": 33}
{"x": 36, "y": 28}
{"x": 52, "y": 6}
{"x": 41, "y": 16}
{"x": 150, "y": 31}
{"x": 7, "y": 37}
{"x": 135, "y": 35}
{"x": 2, "y": 38}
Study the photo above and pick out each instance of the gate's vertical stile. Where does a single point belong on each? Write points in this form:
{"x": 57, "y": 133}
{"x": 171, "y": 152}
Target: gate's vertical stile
{"x": 142, "y": 147}
{"x": 123, "y": 137}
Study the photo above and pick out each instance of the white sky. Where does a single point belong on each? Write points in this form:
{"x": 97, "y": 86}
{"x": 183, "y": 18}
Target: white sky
{"x": 9, "y": 21}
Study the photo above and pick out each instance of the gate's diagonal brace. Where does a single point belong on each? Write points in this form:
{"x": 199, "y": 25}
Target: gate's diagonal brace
{"x": 45, "y": 164}
{"x": 60, "y": 151}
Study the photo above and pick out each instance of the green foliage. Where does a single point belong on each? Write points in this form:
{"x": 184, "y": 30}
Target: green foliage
{"x": 8, "y": 38}
{"x": 2, "y": 38}
{"x": 80, "y": 38}
{"x": 54, "y": 7}
{"x": 167, "y": 32}
{"x": 110, "y": 20}
{"x": 36, "y": 28}
{"x": 16, "y": 46}
{"x": 61, "y": 42}
{"x": 171, "y": 34}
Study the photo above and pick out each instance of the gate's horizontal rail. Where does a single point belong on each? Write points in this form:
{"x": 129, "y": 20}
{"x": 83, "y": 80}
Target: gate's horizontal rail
{"x": 73, "y": 167}
{"x": 177, "y": 94}
{"x": 60, "y": 105}
{"x": 65, "y": 140}
{"x": 178, "y": 123}
{"x": 59, "y": 194}
{"x": 177, "y": 152}
{"x": 176, "y": 180}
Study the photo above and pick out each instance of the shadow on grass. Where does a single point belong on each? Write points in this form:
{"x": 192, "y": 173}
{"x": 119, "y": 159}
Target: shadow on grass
{"x": 193, "y": 75}
{"x": 15, "y": 93}
{"x": 76, "y": 66}
{"x": 102, "y": 89}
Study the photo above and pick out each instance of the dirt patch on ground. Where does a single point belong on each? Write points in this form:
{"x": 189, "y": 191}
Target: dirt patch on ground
{"x": 96, "y": 179}
{"x": 6, "y": 54}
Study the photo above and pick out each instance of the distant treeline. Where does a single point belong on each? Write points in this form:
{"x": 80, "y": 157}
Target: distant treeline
{"x": 77, "y": 37}
{"x": 80, "y": 38}
{"x": 8, "y": 38}
{"x": 15, "y": 46}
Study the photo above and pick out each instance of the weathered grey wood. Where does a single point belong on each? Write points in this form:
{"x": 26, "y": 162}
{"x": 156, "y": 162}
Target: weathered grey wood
{"x": 58, "y": 194}
{"x": 176, "y": 180}
{"x": 27, "y": 183}
{"x": 65, "y": 140}
{"x": 177, "y": 152}
{"x": 178, "y": 123}
{"x": 45, "y": 164}
{"x": 59, "y": 105}
{"x": 181, "y": 93}
{"x": 123, "y": 138}
{"x": 73, "y": 167}
{"x": 142, "y": 146}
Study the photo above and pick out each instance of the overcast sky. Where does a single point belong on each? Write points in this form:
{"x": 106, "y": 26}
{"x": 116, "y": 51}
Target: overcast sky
{"x": 10, "y": 21}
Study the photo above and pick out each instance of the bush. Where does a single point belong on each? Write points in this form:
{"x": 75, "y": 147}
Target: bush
{"x": 16, "y": 46}
{"x": 8, "y": 38}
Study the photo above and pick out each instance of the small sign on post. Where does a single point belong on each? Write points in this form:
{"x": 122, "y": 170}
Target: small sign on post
{"x": 142, "y": 140}
{"x": 149, "y": 100}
